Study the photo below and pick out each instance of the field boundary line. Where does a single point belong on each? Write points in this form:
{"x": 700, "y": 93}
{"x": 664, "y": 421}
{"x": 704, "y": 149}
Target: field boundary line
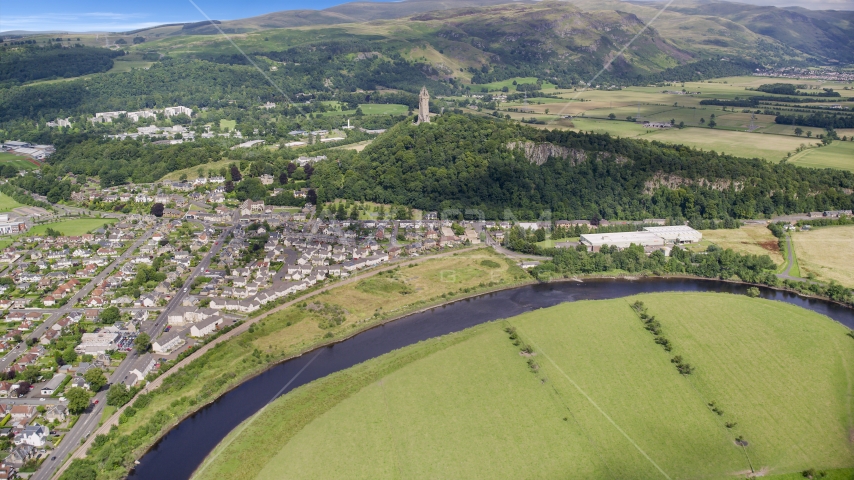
{"x": 595, "y": 405}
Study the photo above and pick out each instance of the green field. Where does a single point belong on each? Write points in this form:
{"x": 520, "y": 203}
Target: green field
{"x": 497, "y": 86}
{"x": 7, "y": 203}
{"x": 603, "y": 401}
{"x": 836, "y": 155}
{"x": 227, "y": 125}
{"x": 77, "y": 226}
{"x": 193, "y": 172}
{"x": 16, "y": 161}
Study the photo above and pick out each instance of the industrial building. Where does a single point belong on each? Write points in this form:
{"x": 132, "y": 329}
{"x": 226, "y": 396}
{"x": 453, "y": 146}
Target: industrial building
{"x": 676, "y": 234}
{"x": 652, "y": 238}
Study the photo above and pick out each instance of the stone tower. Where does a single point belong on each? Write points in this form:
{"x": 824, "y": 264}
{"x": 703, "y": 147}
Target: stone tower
{"x": 423, "y": 107}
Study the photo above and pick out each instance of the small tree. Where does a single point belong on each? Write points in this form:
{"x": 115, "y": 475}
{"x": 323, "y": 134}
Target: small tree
{"x": 110, "y": 315}
{"x": 78, "y": 400}
{"x": 612, "y": 116}
{"x": 752, "y": 292}
{"x": 809, "y": 133}
{"x": 118, "y": 395}
{"x": 142, "y": 343}
{"x": 157, "y": 210}
{"x": 799, "y": 131}
{"x": 95, "y": 378}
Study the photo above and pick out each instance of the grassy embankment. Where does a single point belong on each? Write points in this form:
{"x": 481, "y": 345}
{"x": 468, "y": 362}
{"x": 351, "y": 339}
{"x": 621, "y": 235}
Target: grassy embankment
{"x": 193, "y": 172}
{"x": 827, "y": 253}
{"x": 299, "y": 328}
{"x": 602, "y": 400}
{"x": 8, "y": 203}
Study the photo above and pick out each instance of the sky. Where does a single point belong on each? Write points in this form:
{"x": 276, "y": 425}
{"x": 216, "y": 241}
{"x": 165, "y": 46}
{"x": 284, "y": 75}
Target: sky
{"x": 119, "y": 16}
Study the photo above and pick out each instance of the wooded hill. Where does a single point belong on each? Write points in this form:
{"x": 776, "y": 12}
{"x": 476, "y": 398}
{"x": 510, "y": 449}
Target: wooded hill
{"x": 463, "y": 162}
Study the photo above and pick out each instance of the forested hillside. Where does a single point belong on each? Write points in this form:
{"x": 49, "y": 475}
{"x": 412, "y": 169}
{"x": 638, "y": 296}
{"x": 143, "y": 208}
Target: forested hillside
{"x": 460, "y": 162}
{"x": 28, "y": 63}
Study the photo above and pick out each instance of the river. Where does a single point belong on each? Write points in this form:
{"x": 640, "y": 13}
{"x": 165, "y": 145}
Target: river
{"x": 178, "y": 454}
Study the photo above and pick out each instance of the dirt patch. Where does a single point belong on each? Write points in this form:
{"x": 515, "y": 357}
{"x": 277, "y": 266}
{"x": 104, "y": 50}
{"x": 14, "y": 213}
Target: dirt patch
{"x": 771, "y": 246}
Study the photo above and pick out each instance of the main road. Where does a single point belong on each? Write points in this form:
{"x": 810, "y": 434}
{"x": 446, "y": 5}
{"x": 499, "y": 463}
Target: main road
{"x": 90, "y": 419}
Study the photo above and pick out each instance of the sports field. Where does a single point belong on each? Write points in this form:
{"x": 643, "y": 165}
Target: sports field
{"x": 7, "y": 203}
{"x": 749, "y": 239}
{"x": 827, "y": 252}
{"x": 17, "y": 161}
{"x": 836, "y": 155}
{"x": 602, "y": 400}
{"x": 77, "y": 226}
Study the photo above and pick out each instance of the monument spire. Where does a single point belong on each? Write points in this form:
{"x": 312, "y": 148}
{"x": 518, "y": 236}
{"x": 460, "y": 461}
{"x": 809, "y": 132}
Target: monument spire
{"x": 423, "y": 107}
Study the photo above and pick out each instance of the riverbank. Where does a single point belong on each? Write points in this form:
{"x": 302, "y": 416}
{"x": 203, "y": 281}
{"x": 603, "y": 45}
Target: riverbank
{"x": 184, "y": 408}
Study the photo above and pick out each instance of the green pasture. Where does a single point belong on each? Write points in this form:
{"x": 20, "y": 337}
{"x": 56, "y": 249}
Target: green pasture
{"x": 8, "y": 203}
{"x": 227, "y": 125}
{"x": 597, "y": 399}
{"x": 77, "y": 226}
{"x": 497, "y": 86}
{"x": 836, "y": 155}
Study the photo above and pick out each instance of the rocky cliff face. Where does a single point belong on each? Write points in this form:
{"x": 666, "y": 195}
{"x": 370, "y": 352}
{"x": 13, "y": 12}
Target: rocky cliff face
{"x": 539, "y": 153}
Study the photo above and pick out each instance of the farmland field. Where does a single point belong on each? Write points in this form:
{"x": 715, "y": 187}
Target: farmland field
{"x": 827, "y": 252}
{"x": 7, "y": 203}
{"x": 72, "y": 227}
{"x": 602, "y": 400}
{"x": 17, "y": 161}
{"x": 836, "y": 155}
{"x": 749, "y": 239}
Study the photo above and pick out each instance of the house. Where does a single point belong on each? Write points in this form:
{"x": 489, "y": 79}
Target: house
{"x": 56, "y": 413}
{"x": 7, "y": 472}
{"x": 53, "y": 384}
{"x": 33, "y": 435}
{"x": 205, "y": 327}
{"x": 22, "y": 412}
{"x": 21, "y": 455}
{"x": 143, "y": 366}
{"x": 167, "y": 342}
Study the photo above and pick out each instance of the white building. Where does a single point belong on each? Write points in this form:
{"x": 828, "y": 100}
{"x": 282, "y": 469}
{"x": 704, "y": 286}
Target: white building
{"x": 53, "y": 384}
{"x": 34, "y": 435}
{"x": 168, "y": 342}
{"x": 676, "y": 234}
{"x": 94, "y": 343}
{"x": 205, "y": 327}
{"x": 172, "y": 111}
{"x": 621, "y": 240}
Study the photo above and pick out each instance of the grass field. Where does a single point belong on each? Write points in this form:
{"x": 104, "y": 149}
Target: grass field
{"x": 77, "y": 226}
{"x": 836, "y": 155}
{"x": 7, "y": 203}
{"x": 604, "y": 402}
{"x": 227, "y": 125}
{"x": 749, "y": 239}
{"x": 16, "y": 161}
{"x": 497, "y": 86}
{"x": 827, "y": 252}
{"x": 193, "y": 172}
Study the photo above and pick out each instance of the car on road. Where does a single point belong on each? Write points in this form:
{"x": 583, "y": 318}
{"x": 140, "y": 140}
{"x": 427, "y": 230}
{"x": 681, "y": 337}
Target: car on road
{"x": 53, "y": 458}
{"x": 96, "y": 402}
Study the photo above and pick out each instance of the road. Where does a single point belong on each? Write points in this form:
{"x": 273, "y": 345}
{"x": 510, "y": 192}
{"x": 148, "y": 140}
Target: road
{"x": 57, "y": 314}
{"x": 88, "y": 421}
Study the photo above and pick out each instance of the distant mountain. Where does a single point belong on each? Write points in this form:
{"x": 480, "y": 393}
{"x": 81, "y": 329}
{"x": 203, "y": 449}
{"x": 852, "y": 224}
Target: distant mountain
{"x": 826, "y": 35}
{"x": 354, "y": 12}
